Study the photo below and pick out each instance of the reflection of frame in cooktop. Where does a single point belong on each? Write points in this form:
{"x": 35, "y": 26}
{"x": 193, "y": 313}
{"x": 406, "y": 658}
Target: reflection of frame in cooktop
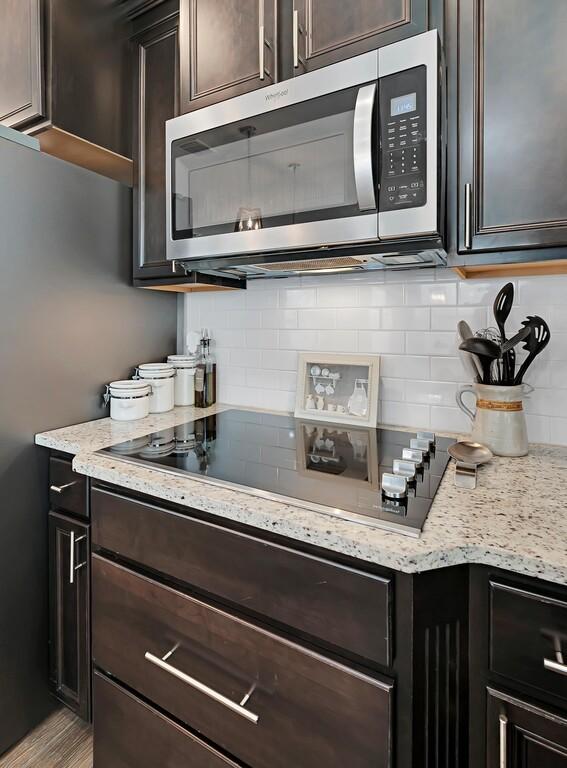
{"x": 370, "y": 436}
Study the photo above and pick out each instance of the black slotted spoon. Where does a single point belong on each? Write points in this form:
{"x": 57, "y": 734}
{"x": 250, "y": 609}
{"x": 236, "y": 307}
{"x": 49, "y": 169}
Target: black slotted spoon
{"x": 535, "y": 343}
{"x": 501, "y": 309}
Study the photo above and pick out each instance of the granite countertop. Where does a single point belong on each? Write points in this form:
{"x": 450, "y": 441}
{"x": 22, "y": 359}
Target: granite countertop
{"x": 516, "y": 518}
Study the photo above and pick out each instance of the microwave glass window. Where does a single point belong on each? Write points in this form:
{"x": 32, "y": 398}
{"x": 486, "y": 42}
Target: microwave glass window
{"x": 291, "y": 165}
{"x": 402, "y": 104}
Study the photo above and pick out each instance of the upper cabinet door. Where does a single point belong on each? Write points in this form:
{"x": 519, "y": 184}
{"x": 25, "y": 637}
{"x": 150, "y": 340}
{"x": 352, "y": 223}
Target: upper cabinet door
{"x": 512, "y": 124}
{"x": 227, "y": 47}
{"x": 21, "y": 93}
{"x": 326, "y": 31}
{"x": 156, "y": 100}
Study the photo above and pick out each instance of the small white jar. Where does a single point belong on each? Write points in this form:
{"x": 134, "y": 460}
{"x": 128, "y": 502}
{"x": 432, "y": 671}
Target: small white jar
{"x": 185, "y": 369}
{"x": 129, "y": 400}
{"x": 160, "y": 376}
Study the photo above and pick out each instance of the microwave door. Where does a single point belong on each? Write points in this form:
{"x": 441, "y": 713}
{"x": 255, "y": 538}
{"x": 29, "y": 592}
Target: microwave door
{"x": 296, "y": 177}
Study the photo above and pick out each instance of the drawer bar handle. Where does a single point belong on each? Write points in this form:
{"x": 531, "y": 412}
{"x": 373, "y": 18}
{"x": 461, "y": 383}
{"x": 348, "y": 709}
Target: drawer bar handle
{"x": 61, "y": 488}
{"x": 503, "y": 762}
{"x": 210, "y": 692}
{"x": 555, "y": 666}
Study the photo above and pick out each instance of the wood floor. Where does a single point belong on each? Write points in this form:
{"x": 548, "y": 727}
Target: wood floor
{"x": 61, "y": 741}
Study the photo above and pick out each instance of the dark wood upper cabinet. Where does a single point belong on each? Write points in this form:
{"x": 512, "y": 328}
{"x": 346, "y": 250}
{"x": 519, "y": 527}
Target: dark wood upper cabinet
{"x": 521, "y": 735}
{"x": 155, "y": 52}
{"x": 228, "y": 47}
{"x": 21, "y": 70}
{"x": 327, "y": 31}
{"x": 69, "y": 614}
{"x": 64, "y": 70}
{"x": 512, "y": 124}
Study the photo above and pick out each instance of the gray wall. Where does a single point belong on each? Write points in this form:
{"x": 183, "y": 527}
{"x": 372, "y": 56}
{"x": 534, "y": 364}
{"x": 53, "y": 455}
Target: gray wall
{"x": 69, "y": 322}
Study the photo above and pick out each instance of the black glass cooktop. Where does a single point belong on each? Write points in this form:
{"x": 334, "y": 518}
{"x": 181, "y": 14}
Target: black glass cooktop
{"x": 335, "y": 469}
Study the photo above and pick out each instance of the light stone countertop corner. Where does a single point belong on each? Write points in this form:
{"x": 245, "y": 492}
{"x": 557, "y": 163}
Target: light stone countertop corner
{"x": 516, "y": 518}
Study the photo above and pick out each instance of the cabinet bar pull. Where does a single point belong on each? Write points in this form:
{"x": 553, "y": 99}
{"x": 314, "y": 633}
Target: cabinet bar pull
{"x": 295, "y": 38}
{"x": 61, "y": 488}
{"x": 72, "y": 558}
{"x": 210, "y": 692}
{"x": 503, "y": 741}
{"x": 261, "y": 36}
{"x": 468, "y": 216}
{"x": 555, "y": 666}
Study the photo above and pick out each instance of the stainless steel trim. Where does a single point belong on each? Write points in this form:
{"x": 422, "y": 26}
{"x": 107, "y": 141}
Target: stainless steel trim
{"x": 468, "y": 216}
{"x": 351, "y": 229}
{"x": 261, "y": 37}
{"x": 503, "y": 761}
{"x": 414, "y": 52}
{"x": 61, "y": 488}
{"x": 202, "y": 688}
{"x": 295, "y": 38}
{"x": 343, "y": 514}
{"x": 72, "y": 557}
{"x": 362, "y": 147}
{"x": 555, "y": 666}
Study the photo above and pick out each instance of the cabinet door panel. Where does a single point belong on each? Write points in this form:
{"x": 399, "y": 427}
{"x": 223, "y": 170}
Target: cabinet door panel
{"x": 332, "y": 30}
{"x": 21, "y": 97}
{"x": 520, "y": 735}
{"x": 69, "y": 589}
{"x": 513, "y": 121}
{"x": 156, "y": 102}
{"x": 222, "y": 47}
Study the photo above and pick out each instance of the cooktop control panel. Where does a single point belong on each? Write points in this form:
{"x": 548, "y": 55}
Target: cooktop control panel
{"x": 403, "y": 140}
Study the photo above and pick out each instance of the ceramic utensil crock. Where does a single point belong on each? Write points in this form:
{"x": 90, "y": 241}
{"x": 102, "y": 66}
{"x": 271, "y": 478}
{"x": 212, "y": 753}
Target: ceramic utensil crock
{"x": 498, "y": 420}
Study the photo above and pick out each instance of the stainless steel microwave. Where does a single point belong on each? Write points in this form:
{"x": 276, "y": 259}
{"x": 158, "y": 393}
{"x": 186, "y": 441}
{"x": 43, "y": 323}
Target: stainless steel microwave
{"x": 335, "y": 170}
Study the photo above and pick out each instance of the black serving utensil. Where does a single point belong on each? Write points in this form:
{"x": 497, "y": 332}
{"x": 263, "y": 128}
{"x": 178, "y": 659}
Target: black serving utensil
{"x": 507, "y": 346}
{"x": 486, "y": 351}
{"x": 535, "y": 343}
{"x": 502, "y": 308}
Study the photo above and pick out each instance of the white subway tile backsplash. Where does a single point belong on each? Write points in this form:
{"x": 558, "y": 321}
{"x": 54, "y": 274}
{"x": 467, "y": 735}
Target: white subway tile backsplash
{"x": 430, "y": 342}
{"x": 405, "y": 318}
{"x": 408, "y": 318}
{"x": 359, "y": 317}
{"x": 316, "y": 318}
{"x": 431, "y": 294}
{"x": 387, "y": 295}
{"x": 378, "y": 342}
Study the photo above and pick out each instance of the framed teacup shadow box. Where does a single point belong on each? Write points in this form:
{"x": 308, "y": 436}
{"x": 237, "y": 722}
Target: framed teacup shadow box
{"x": 338, "y": 388}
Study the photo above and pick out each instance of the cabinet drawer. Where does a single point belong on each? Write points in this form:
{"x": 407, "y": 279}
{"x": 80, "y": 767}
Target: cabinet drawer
{"x": 130, "y": 733}
{"x": 263, "y": 699}
{"x": 67, "y": 489}
{"x": 343, "y": 607}
{"x": 528, "y": 638}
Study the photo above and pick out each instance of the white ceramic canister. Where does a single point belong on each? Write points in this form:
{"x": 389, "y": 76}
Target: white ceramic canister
{"x": 161, "y": 377}
{"x": 185, "y": 369}
{"x": 499, "y": 422}
{"x": 129, "y": 400}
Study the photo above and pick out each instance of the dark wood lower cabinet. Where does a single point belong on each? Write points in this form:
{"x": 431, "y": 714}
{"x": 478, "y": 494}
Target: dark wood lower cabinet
{"x": 69, "y": 593}
{"x": 131, "y": 734}
{"x": 521, "y": 735}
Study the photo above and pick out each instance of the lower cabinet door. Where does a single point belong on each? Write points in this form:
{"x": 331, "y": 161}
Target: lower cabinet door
{"x": 520, "y": 735}
{"x": 267, "y": 701}
{"x": 130, "y": 734}
{"x": 69, "y": 610}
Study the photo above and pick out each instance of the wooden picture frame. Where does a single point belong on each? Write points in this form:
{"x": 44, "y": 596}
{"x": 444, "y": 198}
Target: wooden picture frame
{"x": 339, "y": 388}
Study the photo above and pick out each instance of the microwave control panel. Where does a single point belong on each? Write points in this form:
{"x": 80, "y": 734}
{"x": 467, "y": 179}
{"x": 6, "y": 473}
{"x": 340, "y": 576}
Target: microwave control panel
{"x": 403, "y": 140}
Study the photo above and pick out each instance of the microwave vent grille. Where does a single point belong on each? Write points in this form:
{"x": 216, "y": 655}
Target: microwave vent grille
{"x": 329, "y": 262}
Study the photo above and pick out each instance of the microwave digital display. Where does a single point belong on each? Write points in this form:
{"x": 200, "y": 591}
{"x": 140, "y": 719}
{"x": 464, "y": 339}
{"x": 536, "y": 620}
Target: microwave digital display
{"x": 402, "y": 104}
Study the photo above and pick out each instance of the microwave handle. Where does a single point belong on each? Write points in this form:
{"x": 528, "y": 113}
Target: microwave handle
{"x": 362, "y": 147}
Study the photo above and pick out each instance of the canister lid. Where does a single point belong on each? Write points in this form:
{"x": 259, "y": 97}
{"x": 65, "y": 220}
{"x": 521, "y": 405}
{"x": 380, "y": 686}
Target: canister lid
{"x": 183, "y": 361}
{"x": 156, "y": 370}
{"x": 129, "y": 387}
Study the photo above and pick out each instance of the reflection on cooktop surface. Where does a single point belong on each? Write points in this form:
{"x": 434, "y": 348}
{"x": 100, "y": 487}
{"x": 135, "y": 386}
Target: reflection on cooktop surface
{"x": 334, "y": 468}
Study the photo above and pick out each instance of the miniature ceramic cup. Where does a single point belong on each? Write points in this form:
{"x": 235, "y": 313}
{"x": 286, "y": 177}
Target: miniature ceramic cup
{"x": 498, "y": 421}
